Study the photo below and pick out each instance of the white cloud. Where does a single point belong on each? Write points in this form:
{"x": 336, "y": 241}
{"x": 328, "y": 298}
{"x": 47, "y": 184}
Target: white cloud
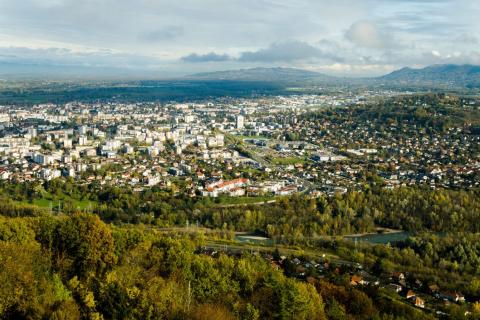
{"x": 365, "y": 34}
{"x": 207, "y": 57}
{"x": 454, "y": 57}
{"x": 291, "y": 50}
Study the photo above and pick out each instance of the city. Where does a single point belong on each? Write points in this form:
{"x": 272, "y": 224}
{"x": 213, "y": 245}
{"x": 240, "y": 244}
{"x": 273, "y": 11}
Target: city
{"x": 238, "y": 147}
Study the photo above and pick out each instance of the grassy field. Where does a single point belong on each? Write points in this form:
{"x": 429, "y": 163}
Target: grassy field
{"x": 242, "y": 200}
{"x": 55, "y": 203}
{"x": 288, "y": 161}
{"x": 252, "y": 137}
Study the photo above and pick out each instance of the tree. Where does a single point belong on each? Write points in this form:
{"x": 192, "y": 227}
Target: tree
{"x": 81, "y": 244}
{"x": 26, "y": 292}
{"x": 335, "y": 311}
{"x": 211, "y": 312}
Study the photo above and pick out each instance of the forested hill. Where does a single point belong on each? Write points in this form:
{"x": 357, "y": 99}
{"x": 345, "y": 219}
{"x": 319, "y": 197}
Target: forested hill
{"x": 437, "y": 75}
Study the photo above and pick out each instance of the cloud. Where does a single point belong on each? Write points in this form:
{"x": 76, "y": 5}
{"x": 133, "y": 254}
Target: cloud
{"x": 66, "y": 57}
{"x": 47, "y": 3}
{"x": 455, "y": 57}
{"x": 467, "y": 39}
{"x": 166, "y": 33}
{"x": 180, "y": 35}
{"x": 208, "y": 57}
{"x": 286, "y": 51}
{"x": 366, "y": 34}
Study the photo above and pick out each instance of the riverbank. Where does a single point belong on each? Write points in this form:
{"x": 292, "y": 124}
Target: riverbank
{"x": 377, "y": 232}
{"x": 380, "y": 238}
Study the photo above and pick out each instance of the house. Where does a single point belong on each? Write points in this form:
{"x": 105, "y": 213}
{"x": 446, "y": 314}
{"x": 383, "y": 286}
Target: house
{"x": 460, "y": 297}
{"x": 398, "y": 276}
{"x": 410, "y": 294}
{"x": 433, "y": 288}
{"x": 452, "y": 296}
{"x": 236, "y": 192}
{"x": 356, "y": 280}
{"x": 275, "y": 265}
{"x": 4, "y": 174}
{"x": 287, "y": 190}
{"x": 234, "y": 187}
{"x": 300, "y": 270}
{"x": 419, "y": 302}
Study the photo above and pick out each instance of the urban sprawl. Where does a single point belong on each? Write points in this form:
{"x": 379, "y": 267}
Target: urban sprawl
{"x": 265, "y": 146}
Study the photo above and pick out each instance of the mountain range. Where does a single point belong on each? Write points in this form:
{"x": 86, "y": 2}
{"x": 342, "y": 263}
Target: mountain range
{"x": 447, "y": 75}
{"x": 441, "y": 76}
{"x": 436, "y": 75}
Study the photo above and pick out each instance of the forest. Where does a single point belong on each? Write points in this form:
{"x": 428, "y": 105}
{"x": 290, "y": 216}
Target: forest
{"x": 78, "y": 267}
{"x": 118, "y": 259}
{"x": 292, "y": 218}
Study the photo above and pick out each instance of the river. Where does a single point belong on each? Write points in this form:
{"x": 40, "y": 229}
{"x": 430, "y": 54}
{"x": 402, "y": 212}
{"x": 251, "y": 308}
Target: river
{"x": 381, "y": 238}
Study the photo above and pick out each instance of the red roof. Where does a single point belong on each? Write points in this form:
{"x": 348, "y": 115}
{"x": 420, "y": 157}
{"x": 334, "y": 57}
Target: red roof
{"x": 222, "y": 184}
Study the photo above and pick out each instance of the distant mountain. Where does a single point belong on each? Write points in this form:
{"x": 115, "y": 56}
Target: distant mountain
{"x": 264, "y": 74}
{"x": 437, "y": 75}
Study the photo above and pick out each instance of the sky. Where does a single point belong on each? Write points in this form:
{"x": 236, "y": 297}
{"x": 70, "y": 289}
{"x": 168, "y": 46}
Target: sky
{"x": 179, "y": 37}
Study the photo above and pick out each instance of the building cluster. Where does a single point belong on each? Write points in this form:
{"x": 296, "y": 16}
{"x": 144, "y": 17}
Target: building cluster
{"x": 230, "y": 147}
